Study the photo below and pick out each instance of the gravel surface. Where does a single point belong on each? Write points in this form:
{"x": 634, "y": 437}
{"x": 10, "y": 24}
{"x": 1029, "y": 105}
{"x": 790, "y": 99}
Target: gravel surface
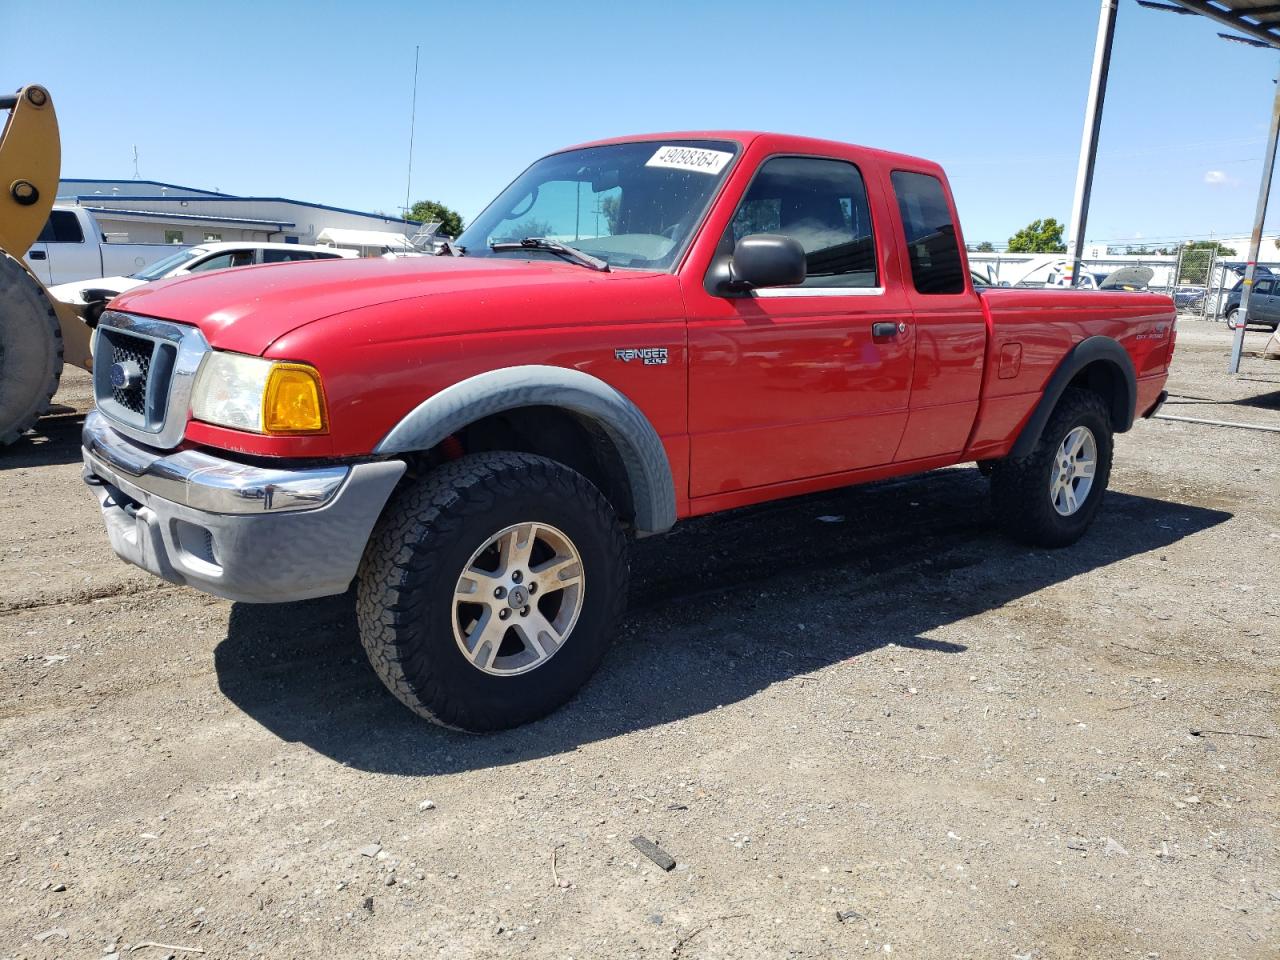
{"x": 860, "y": 723}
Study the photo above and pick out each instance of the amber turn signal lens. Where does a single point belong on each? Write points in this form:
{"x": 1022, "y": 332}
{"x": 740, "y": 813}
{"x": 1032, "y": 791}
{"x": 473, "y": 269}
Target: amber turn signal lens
{"x": 294, "y": 400}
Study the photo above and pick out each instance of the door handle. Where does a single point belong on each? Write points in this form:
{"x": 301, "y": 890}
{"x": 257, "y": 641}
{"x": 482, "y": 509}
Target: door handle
{"x": 886, "y": 329}
{"x": 38, "y": 255}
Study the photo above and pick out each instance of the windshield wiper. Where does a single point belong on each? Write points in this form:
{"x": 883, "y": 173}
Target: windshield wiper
{"x": 553, "y": 246}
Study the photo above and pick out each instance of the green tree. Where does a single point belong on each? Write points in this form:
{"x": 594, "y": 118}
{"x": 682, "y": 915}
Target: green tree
{"x": 1039, "y": 236}
{"x": 428, "y": 211}
{"x": 984, "y": 247}
{"x": 1197, "y": 255}
{"x": 611, "y": 207}
{"x": 529, "y": 227}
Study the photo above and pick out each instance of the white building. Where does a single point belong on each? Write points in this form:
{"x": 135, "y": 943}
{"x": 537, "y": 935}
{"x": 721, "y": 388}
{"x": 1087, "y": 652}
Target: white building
{"x": 147, "y": 211}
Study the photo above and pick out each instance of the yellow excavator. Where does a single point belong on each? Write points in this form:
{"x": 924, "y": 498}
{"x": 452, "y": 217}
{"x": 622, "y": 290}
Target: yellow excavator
{"x": 37, "y": 332}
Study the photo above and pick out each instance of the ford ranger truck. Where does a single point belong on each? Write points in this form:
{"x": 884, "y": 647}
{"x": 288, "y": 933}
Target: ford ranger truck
{"x": 634, "y": 332}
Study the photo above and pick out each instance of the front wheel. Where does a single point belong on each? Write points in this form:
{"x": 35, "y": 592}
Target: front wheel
{"x": 1050, "y": 497}
{"x": 1233, "y": 318}
{"x": 491, "y": 589}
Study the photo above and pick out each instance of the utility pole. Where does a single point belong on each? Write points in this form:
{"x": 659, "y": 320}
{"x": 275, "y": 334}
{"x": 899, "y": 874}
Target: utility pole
{"x": 1255, "y": 238}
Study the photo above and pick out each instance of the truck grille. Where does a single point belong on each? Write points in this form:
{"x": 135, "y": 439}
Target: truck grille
{"x": 143, "y": 370}
{"x": 132, "y": 351}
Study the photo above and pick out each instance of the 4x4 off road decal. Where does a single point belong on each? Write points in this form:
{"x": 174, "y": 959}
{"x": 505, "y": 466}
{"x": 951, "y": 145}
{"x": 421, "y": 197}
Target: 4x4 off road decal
{"x": 652, "y": 356}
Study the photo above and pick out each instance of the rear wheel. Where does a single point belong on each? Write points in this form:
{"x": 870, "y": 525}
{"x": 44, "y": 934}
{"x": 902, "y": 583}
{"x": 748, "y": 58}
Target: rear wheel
{"x": 30, "y": 351}
{"x": 491, "y": 589}
{"x": 1050, "y": 497}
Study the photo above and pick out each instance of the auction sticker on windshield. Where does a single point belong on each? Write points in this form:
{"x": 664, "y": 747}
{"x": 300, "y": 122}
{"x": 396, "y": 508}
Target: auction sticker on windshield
{"x": 690, "y": 158}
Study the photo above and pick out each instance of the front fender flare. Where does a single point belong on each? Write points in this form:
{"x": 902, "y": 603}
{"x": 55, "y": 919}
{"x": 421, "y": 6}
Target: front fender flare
{"x": 1087, "y": 351}
{"x": 638, "y": 445}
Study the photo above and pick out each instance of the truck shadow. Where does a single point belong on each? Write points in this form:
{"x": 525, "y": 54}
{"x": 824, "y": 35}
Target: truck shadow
{"x": 54, "y": 440}
{"x": 721, "y": 609}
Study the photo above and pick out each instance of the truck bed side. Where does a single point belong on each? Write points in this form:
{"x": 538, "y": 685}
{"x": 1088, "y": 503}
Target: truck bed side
{"x": 1031, "y": 332}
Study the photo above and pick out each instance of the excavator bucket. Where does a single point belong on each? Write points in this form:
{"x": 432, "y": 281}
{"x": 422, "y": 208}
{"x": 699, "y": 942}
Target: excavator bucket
{"x": 30, "y": 164}
{"x": 35, "y": 329}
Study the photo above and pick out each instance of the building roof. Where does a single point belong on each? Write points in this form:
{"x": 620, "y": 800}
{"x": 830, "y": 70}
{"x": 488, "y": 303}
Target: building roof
{"x": 362, "y": 238}
{"x": 275, "y": 225}
{"x": 151, "y": 183}
{"x": 213, "y": 197}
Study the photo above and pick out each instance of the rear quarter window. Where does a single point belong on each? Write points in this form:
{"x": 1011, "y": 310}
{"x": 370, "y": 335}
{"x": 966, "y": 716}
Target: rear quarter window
{"x": 63, "y": 226}
{"x": 932, "y": 246}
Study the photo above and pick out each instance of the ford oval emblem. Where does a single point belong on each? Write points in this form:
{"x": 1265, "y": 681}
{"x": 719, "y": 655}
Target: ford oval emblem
{"x": 124, "y": 376}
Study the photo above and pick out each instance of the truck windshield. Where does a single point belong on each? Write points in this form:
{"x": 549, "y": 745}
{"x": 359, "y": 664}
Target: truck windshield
{"x": 164, "y": 265}
{"x": 628, "y": 204}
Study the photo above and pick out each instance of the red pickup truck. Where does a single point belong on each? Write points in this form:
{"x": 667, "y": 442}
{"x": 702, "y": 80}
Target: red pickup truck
{"x": 635, "y": 331}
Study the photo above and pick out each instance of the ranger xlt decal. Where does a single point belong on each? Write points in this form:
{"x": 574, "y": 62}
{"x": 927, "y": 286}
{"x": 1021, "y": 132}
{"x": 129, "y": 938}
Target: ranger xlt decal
{"x": 652, "y": 356}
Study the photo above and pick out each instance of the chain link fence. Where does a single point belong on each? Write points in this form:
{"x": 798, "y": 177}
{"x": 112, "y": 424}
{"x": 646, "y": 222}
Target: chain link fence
{"x": 1203, "y": 283}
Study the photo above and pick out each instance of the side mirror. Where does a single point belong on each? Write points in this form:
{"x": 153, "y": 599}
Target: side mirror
{"x": 767, "y": 260}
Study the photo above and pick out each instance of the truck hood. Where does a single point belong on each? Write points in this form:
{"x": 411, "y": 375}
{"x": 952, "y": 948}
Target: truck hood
{"x": 246, "y": 309}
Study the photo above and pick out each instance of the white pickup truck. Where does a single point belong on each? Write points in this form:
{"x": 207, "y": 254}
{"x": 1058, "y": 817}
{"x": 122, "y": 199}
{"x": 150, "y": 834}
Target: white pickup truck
{"x": 90, "y": 296}
{"x": 73, "y": 247}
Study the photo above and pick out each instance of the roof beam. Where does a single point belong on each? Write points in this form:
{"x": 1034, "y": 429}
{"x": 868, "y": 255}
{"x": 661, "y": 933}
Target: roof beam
{"x": 1233, "y": 19}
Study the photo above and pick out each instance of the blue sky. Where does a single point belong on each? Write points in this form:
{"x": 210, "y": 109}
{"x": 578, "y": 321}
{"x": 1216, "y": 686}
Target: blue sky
{"x": 311, "y": 101}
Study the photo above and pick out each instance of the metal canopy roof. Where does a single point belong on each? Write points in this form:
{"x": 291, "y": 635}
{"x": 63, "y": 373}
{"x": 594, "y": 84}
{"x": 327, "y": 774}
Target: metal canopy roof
{"x": 1259, "y": 19}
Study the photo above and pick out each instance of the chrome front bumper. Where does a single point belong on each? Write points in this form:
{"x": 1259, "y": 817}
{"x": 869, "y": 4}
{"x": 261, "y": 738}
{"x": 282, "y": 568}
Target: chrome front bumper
{"x": 246, "y": 533}
{"x": 206, "y": 483}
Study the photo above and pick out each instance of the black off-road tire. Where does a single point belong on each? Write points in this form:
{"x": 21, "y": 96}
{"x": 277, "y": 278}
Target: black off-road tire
{"x": 1020, "y": 487}
{"x": 427, "y": 535}
{"x": 30, "y": 351}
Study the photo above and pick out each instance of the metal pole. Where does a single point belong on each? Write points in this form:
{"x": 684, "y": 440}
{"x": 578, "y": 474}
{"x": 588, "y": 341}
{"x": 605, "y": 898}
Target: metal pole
{"x": 1178, "y": 273}
{"x": 1208, "y": 284}
{"x": 1092, "y": 125}
{"x": 1177, "y": 276}
{"x": 1217, "y": 301}
{"x": 413, "y": 113}
{"x": 1255, "y": 239}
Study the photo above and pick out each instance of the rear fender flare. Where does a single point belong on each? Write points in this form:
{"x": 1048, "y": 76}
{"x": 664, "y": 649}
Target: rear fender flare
{"x": 1091, "y": 350}
{"x": 637, "y": 443}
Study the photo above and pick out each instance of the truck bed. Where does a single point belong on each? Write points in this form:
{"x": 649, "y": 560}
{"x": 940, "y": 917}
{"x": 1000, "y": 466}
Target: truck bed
{"x": 1029, "y": 331}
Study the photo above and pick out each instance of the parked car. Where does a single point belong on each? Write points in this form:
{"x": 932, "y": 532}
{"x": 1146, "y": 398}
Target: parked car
{"x": 1264, "y": 304}
{"x": 73, "y": 247}
{"x": 1186, "y": 298}
{"x": 90, "y": 297}
{"x": 472, "y": 438}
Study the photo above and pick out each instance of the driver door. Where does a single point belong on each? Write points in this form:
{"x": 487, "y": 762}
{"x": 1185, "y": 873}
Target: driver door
{"x": 790, "y": 383}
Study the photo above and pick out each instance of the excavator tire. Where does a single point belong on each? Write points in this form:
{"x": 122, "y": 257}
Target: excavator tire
{"x": 30, "y": 350}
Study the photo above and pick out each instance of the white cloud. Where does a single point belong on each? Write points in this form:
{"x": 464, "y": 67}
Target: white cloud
{"x": 1218, "y": 178}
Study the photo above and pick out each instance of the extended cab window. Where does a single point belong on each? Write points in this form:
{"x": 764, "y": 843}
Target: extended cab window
{"x": 931, "y": 233}
{"x": 820, "y": 203}
{"x": 61, "y": 227}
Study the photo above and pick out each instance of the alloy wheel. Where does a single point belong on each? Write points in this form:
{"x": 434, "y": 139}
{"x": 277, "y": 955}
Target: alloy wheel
{"x": 518, "y": 599}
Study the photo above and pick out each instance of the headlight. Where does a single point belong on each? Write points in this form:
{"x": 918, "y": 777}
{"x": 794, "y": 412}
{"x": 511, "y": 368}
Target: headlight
{"x": 261, "y": 396}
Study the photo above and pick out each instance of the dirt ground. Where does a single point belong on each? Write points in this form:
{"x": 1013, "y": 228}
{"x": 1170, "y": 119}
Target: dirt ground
{"x": 860, "y": 722}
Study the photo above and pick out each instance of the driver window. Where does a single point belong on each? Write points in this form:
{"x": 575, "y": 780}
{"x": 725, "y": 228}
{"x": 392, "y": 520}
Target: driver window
{"x": 820, "y": 203}
{"x": 233, "y": 258}
{"x": 213, "y": 263}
